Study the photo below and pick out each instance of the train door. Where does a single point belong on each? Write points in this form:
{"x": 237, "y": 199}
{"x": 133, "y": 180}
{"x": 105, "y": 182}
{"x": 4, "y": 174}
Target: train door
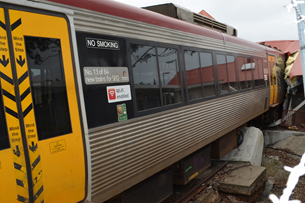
{"x": 44, "y": 159}
{"x": 273, "y": 79}
{"x": 13, "y": 171}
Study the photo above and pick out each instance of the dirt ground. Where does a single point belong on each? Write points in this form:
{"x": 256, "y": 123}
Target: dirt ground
{"x": 273, "y": 160}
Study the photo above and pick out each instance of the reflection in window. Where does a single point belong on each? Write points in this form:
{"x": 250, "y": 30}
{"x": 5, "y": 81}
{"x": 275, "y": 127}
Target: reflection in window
{"x": 249, "y": 72}
{"x": 4, "y": 140}
{"x": 222, "y": 74}
{"x": 207, "y": 74}
{"x": 48, "y": 86}
{"x": 261, "y": 73}
{"x": 169, "y": 74}
{"x": 232, "y": 74}
{"x": 242, "y": 73}
{"x": 256, "y": 72}
{"x": 145, "y": 75}
{"x": 193, "y": 74}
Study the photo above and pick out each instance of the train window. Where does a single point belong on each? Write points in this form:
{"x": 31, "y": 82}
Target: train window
{"x": 169, "y": 75}
{"x": 207, "y": 74}
{"x": 256, "y": 73}
{"x": 193, "y": 75}
{"x": 4, "y": 139}
{"x": 249, "y": 72}
{"x": 261, "y": 73}
{"x": 222, "y": 74}
{"x": 242, "y": 73}
{"x": 232, "y": 74}
{"x": 48, "y": 86}
{"x": 145, "y": 75}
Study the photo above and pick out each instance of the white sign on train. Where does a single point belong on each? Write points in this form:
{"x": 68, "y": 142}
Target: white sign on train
{"x": 102, "y": 43}
{"x": 118, "y": 93}
{"x": 105, "y": 75}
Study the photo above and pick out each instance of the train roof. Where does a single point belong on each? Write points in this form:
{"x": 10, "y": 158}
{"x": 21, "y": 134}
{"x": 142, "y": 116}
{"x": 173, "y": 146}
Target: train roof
{"x": 134, "y": 13}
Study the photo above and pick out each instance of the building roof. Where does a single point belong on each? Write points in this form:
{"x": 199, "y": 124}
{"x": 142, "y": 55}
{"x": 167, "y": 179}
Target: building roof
{"x": 288, "y": 47}
{"x": 204, "y": 13}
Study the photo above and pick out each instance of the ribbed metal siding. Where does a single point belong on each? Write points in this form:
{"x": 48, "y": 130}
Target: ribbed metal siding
{"x": 202, "y": 20}
{"x": 99, "y": 23}
{"x": 123, "y": 150}
{"x": 110, "y": 25}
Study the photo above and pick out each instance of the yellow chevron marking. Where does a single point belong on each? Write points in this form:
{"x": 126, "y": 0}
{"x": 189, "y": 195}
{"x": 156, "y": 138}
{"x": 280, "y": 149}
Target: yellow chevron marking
{"x": 17, "y": 151}
{"x": 29, "y": 119}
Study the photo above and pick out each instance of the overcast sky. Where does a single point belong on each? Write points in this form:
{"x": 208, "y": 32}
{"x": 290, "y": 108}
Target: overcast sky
{"x": 256, "y": 20}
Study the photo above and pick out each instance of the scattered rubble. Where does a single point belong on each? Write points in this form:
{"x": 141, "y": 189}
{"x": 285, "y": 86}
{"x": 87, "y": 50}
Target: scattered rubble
{"x": 274, "y": 159}
{"x": 274, "y": 181}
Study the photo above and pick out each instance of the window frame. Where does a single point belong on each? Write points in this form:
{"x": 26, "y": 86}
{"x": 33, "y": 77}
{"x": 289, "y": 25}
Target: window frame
{"x": 219, "y": 91}
{"x": 261, "y": 85}
{"x": 131, "y": 78}
{"x": 214, "y": 65}
{"x": 236, "y": 72}
{"x": 187, "y": 48}
{"x": 183, "y": 79}
{"x": 237, "y": 76}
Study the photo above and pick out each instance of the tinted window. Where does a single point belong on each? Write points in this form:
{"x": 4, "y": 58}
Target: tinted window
{"x": 207, "y": 74}
{"x": 261, "y": 73}
{"x": 222, "y": 74}
{"x": 4, "y": 140}
{"x": 48, "y": 86}
{"x": 242, "y": 73}
{"x": 249, "y": 67}
{"x": 170, "y": 76}
{"x": 145, "y": 75}
{"x": 232, "y": 74}
{"x": 95, "y": 96}
{"x": 193, "y": 75}
{"x": 256, "y": 72}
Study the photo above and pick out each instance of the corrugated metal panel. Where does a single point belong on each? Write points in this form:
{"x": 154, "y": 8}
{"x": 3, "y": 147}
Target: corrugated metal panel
{"x": 120, "y": 152}
{"x": 115, "y": 26}
{"x": 99, "y": 23}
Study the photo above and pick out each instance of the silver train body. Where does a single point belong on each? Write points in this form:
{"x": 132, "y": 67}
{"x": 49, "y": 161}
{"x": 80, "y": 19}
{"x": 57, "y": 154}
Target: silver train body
{"x": 122, "y": 154}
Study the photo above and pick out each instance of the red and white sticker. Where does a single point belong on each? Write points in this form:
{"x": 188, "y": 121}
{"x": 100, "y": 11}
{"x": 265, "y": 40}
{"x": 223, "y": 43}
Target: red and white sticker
{"x": 118, "y": 93}
{"x": 266, "y": 77}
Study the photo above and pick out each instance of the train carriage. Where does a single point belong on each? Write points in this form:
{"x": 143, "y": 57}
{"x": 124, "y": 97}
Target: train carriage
{"x": 98, "y": 96}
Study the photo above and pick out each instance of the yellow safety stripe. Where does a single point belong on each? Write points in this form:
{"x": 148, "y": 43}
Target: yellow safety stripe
{"x": 27, "y": 105}
{"x": 11, "y": 115}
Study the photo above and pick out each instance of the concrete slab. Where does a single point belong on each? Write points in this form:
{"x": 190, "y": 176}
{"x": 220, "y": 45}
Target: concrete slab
{"x": 243, "y": 181}
{"x": 274, "y": 136}
{"x": 251, "y": 150}
{"x": 295, "y": 144}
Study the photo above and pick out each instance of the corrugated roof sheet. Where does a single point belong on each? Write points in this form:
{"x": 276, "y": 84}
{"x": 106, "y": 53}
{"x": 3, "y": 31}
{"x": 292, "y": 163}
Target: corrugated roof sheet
{"x": 288, "y": 47}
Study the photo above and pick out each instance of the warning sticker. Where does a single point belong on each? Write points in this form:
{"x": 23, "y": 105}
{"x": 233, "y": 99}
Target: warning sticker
{"x": 57, "y": 146}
